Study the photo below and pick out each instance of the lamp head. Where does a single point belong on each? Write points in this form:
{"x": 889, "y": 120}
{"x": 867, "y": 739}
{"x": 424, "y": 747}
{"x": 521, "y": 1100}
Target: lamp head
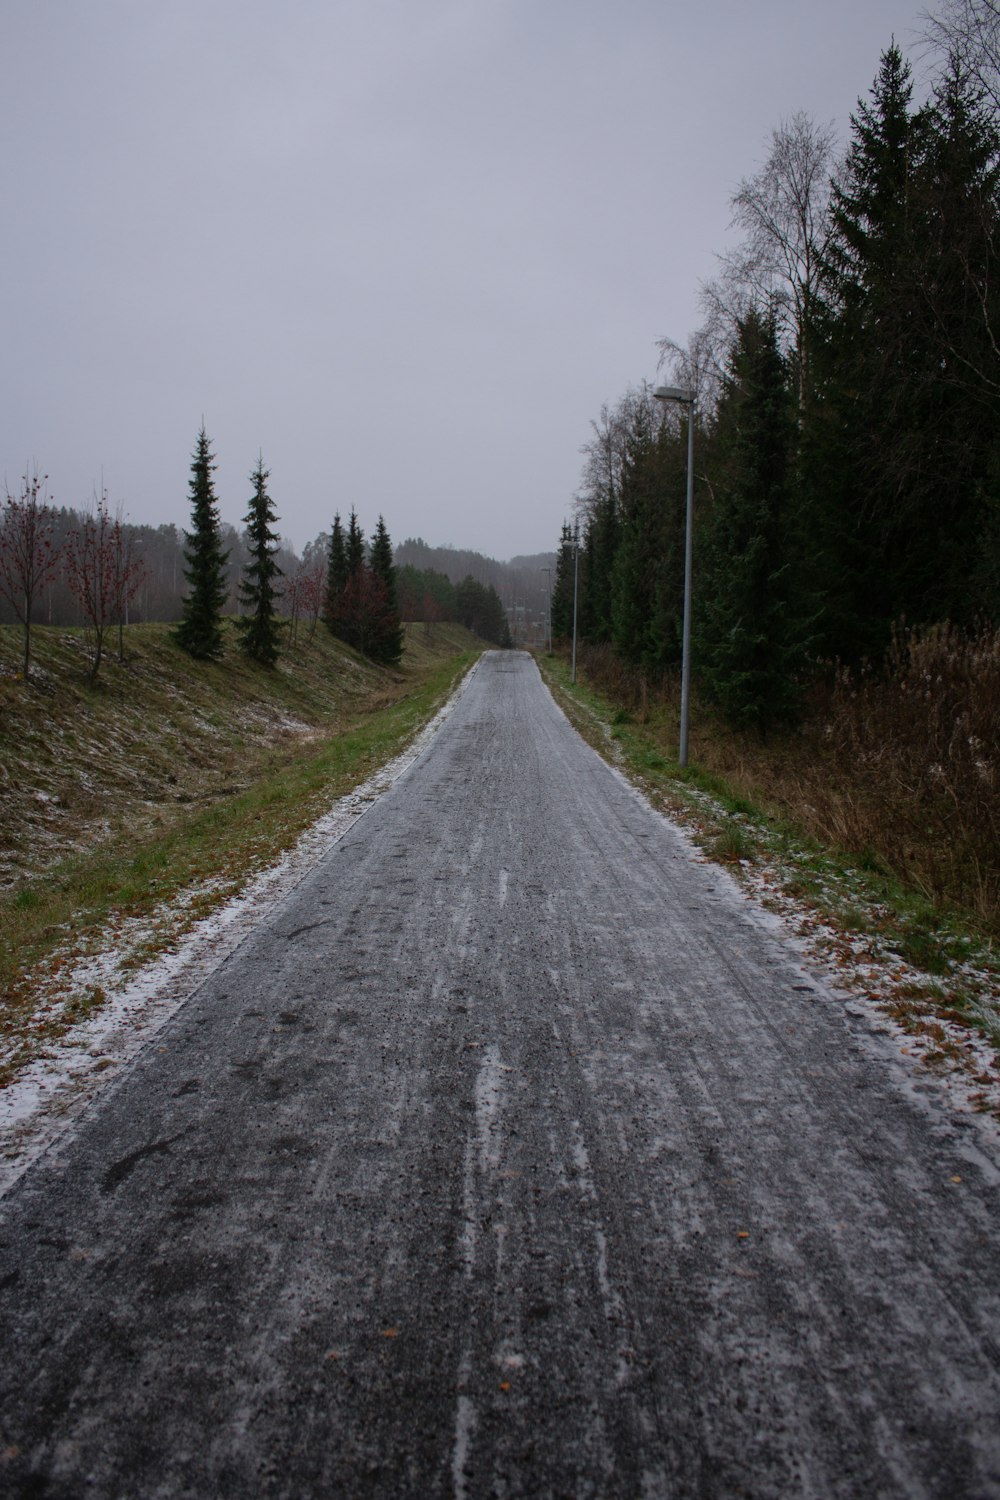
{"x": 674, "y": 393}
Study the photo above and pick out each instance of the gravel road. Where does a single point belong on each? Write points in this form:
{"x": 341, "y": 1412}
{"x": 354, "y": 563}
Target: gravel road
{"x": 512, "y": 1156}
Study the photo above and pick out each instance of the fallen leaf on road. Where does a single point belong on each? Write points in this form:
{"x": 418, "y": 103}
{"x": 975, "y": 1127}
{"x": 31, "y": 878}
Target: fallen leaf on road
{"x": 505, "y": 1385}
{"x": 390, "y": 1333}
{"x": 954, "y": 1179}
{"x": 743, "y": 1234}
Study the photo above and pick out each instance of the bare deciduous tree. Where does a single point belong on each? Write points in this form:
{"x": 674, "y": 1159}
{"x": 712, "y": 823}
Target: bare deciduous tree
{"x": 129, "y": 573}
{"x": 605, "y": 455}
{"x": 312, "y": 576}
{"x": 431, "y": 612}
{"x": 783, "y": 210}
{"x": 699, "y": 364}
{"x": 91, "y": 574}
{"x": 969, "y": 30}
{"x": 28, "y": 555}
{"x": 291, "y": 603}
{"x": 303, "y": 594}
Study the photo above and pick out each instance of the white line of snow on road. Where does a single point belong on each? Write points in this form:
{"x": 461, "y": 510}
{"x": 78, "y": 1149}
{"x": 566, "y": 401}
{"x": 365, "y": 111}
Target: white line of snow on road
{"x": 489, "y": 1094}
{"x": 466, "y": 1422}
{"x": 53, "y": 1090}
{"x": 482, "y": 1153}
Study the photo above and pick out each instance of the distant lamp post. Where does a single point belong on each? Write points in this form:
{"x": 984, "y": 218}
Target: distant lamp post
{"x": 576, "y": 588}
{"x": 548, "y": 609}
{"x": 686, "y": 398}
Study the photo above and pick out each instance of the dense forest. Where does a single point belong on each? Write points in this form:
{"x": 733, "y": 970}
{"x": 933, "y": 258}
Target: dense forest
{"x": 846, "y": 402}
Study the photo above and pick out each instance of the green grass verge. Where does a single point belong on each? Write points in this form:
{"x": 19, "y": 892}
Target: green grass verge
{"x": 169, "y": 871}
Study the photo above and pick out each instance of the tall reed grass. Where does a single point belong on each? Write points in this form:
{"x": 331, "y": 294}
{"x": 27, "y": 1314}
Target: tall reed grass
{"x": 911, "y": 756}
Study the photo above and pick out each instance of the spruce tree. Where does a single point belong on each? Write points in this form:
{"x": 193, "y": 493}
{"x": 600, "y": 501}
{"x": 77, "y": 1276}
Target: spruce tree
{"x": 599, "y": 494}
{"x": 953, "y": 550}
{"x": 562, "y": 588}
{"x": 199, "y": 631}
{"x": 901, "y": 450}
{"x": 876, "y": 389}
{"x": 751, "y": 637}
{"x": 337, "y": 573}
{"x": 479, "y": 608}
{"x": 648, "y": 568}
{"x": 600, "y": 547}
{"x": 347, "y": 588}
{"x": 355, "y": 545}
{"x": 389, "y": 648}
{"x": 260, "y": 629}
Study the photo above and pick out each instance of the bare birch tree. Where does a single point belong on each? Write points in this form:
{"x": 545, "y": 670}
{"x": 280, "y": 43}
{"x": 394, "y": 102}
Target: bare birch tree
{"x": 91, "y": 574}
{"x": 28, "y": 555}
{"x": 969, "y": 30}
{"x": 129, "y": 573}
{"x": 783, "y": 210}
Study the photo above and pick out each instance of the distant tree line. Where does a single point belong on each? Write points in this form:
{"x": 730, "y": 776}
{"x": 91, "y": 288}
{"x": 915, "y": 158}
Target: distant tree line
{"x": 520, "y": 584}
{"x": 59, "y": 566}
{"x": 428, "y": 595}
{"x": 162, "y": 585}
{"x": 63, "y": 566}
{"x": 847, "y": 384}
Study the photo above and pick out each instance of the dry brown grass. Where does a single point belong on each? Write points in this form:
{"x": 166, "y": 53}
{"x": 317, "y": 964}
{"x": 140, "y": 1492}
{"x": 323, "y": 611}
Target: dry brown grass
{"x": 904, "y": 765}
{"x": 899, "y": 768}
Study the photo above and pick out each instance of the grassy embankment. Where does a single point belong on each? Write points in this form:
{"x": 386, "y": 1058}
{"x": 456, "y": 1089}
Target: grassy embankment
{"x": 161, "y": 790}
{"x": 869, "y": 821}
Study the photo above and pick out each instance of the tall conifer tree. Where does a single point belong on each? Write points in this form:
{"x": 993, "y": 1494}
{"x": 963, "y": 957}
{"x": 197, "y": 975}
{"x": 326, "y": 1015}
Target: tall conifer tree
{"x": 751, "y": 627}
{"x": 389, "y": 647}
{"x": 355, "y": 545}
{"x": 260, "y": 629}
{"x": 901, "y": 451}
{"x": 352, "y": 596}
{"x": 199, "y": 631}
{"x": 596, "y": 569}
{"x": 562, "y": 589}
{"x": 647, "y": 571}
{"x": 337, "y": 573}
{"x": 955, "y": 566}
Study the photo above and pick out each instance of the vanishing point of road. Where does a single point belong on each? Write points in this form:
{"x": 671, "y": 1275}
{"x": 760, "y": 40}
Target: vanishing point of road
{"x": 512, "y": 1155}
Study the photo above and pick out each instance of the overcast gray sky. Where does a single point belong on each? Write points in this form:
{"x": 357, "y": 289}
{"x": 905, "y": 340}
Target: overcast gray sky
{"x": 406, "y": 248}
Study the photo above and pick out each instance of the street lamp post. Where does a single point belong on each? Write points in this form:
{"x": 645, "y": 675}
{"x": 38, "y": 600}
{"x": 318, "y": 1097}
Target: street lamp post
{"x": 548, "y": 609}
{"x": 686, "y": 398}
{"x": 576, "y": 587}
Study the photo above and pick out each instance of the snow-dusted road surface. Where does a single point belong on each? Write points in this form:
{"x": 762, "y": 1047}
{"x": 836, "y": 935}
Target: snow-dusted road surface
{"x": 511, "y": 1156}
